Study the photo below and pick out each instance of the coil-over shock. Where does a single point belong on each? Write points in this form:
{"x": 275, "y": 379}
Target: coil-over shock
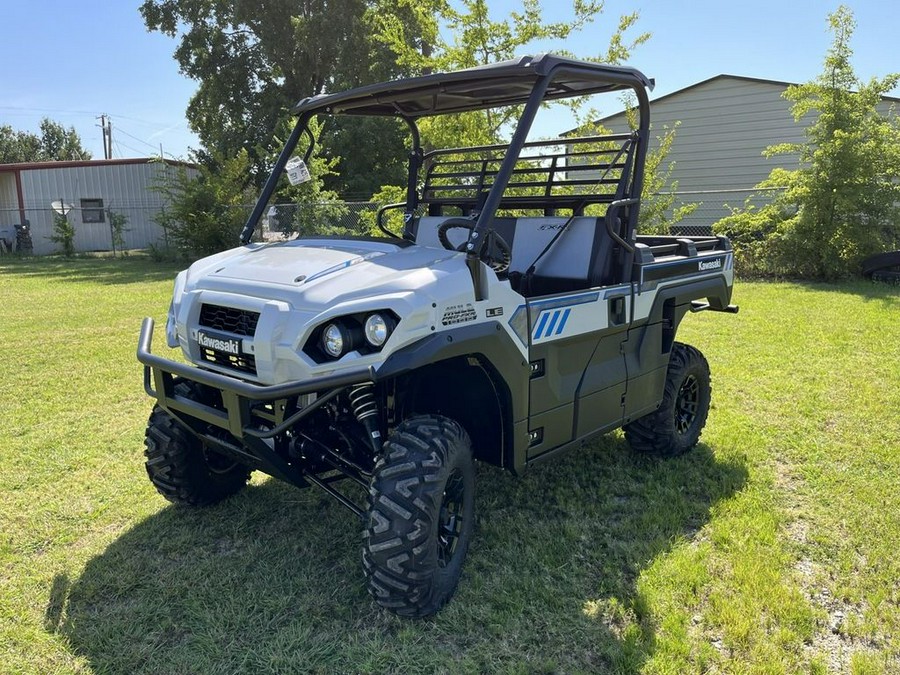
{"x": 365, "y": 408}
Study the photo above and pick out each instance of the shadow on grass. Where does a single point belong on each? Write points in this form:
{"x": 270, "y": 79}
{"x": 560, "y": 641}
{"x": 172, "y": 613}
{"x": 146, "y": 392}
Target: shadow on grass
{"x": 271, "y": 580}
{"x": 113, "y": 271}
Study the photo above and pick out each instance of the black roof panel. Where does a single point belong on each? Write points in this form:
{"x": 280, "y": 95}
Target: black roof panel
{"x": 490, "y": 86}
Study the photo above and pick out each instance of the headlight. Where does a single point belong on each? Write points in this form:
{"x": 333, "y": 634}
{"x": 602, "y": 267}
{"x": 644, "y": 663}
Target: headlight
{"x": 334, "y": 339}
{"x": 362, "y": 333}
{"x": 377, "y": 329}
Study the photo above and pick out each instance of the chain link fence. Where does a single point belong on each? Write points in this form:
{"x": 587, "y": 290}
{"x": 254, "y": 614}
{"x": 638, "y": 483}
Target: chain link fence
{"x": 94, "y": 230}
{"x": 711, "y": 206}
{"x": 348, "y": 219}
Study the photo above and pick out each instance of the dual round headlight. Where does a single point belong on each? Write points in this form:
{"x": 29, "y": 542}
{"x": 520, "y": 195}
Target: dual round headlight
{"x": 342, "y": 336}
{"x": 377, "y": 330}
{"x": 334, "y": 340}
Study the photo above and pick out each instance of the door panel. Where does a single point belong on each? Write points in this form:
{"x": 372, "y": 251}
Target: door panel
{"x": 578, "y": 367}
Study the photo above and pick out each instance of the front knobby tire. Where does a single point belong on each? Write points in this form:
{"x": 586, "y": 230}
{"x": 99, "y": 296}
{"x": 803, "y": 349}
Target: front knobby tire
{"x": 675, "y": 427}
{"x": 420, "y": 521}
{"x": 183, "y": 469}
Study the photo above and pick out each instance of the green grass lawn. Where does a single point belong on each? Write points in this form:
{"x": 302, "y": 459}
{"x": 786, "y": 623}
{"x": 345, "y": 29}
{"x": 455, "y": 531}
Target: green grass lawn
{"x": 772, "y": 548}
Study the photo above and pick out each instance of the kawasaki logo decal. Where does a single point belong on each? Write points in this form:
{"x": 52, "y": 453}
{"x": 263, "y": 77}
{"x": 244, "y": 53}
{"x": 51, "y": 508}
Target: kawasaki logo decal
{"x": 220, "y": 344}
{"x": 710, "y": 265}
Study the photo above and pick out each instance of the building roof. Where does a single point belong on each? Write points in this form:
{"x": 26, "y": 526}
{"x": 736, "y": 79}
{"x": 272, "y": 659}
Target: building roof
{"x": 721, "y": 76}
{"x": 68, "y": 164}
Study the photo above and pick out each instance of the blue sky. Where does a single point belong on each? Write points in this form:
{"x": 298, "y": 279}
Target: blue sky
{"x": 75, "y": 59}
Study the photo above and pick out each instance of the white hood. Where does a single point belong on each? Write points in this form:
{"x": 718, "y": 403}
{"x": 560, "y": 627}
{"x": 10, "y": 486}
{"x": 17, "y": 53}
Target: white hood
{"x": 293, "y": 264}
{"x": 319, "y": 272}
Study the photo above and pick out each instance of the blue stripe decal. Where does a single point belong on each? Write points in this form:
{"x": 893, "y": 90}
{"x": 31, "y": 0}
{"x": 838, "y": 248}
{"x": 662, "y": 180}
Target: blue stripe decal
{"x": 553, "y": 321}
{"x": 541, "y": 324}
{"x": 562, "y": 324}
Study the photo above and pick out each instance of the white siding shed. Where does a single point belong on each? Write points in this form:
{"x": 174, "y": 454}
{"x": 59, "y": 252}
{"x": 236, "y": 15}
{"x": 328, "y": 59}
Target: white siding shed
{"x": 91, "y": 188}
{"x": 724, "y": 125}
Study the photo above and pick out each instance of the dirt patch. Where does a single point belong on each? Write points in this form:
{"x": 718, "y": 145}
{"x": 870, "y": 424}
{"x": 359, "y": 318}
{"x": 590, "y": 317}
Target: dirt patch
{"x": 833, "y": 640}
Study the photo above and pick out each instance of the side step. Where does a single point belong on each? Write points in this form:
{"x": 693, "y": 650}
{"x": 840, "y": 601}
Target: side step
{"x": 700, "y": 306}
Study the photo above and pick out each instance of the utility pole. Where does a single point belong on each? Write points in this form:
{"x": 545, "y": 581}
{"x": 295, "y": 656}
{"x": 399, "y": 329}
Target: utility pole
{"x": 106, "y": 126}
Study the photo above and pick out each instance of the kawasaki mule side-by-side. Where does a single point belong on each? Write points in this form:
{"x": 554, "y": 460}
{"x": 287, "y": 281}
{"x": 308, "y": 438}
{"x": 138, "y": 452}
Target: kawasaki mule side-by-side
{"x": 516, "y": 315}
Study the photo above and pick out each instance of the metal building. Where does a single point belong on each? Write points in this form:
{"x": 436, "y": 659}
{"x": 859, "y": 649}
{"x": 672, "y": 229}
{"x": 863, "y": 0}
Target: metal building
{"x": 724, "y": 125}
{"x": 89, "y": 191}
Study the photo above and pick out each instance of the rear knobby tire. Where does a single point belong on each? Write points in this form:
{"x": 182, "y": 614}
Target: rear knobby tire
{"x": 420, "y": 520}
{"x": 182, "y": 468}
{"x": 675, "y": 427}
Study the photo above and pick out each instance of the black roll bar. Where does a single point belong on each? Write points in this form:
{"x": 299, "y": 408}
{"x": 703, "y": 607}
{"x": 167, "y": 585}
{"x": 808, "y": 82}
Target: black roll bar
{"x": 300, "y": 128}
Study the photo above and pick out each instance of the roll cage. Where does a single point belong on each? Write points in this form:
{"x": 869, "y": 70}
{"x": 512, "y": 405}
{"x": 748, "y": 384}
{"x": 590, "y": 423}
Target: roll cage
{"x": 527, "y": 81}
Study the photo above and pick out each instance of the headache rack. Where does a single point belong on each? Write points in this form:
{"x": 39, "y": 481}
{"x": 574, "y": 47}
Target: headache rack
{"x": 567, "y": 174}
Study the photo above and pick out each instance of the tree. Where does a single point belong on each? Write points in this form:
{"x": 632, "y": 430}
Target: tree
{"x": 465, "y": 34}
{"x": 369, "y": 152}
{"x": 206, "y": 211}
{"x": 843, "y": 202}
{"x": 254, "y": 60}
{"x": 55, "y": 143}
{"x": 208, "y": 208}
{"x": 63, "y": 234}
{"x": 117, "y": 230}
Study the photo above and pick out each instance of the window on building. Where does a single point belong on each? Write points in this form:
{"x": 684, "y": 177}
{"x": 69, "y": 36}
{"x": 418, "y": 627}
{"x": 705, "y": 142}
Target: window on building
{"x": 92, "y": 211}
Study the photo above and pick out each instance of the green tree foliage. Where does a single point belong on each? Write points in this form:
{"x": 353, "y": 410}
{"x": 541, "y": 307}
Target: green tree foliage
{"x": 63, "y": 234}
{"x": 392, "y": 219}
{"x": 117, "y": 229}
{"x": 207, "y": 208}
{"x": 254, "y": 60}
{"x": 54, "y": 143}
{"x": 313, "y": 208}
{"x": 369, "y": 152}
{"x": 449, "y": 36}
{"x": 466, "y": 34}
{"x": 843, "y": 202}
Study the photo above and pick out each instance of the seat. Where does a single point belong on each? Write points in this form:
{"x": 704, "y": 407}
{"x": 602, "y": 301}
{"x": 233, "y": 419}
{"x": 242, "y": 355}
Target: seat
{"x": 580, "y": 258}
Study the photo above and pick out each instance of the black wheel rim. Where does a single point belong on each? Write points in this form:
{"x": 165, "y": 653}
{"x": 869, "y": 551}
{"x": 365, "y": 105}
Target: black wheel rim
{"x": 450, "y": 518}
{"x": 686, "y": 404}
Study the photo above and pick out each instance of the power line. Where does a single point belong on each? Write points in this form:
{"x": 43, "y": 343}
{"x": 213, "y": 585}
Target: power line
{"x": 119, "y": 145}
{"x": 93, "y": 113}
{"x": 140, "y": 140}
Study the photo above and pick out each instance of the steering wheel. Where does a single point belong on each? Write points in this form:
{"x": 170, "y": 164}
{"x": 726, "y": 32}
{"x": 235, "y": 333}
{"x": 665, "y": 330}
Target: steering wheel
{"x": 494, "y": 251}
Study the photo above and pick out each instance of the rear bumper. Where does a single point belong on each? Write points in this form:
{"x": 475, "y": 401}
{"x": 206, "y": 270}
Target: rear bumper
{"x": 161, "y": 375}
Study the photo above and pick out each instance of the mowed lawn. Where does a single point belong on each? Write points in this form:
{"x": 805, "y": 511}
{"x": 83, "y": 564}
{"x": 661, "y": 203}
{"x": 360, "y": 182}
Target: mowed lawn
{"x": 774, "y": 547}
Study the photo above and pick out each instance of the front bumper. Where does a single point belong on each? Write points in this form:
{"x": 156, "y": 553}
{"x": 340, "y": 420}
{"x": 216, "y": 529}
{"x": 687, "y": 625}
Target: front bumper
{"x": 239, "y": 401}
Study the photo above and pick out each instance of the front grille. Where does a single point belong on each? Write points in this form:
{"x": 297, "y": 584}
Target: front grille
{"x": 244, "y": 362}
{"x": 231, "y": 320}
{"x": 237, "y": 321}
